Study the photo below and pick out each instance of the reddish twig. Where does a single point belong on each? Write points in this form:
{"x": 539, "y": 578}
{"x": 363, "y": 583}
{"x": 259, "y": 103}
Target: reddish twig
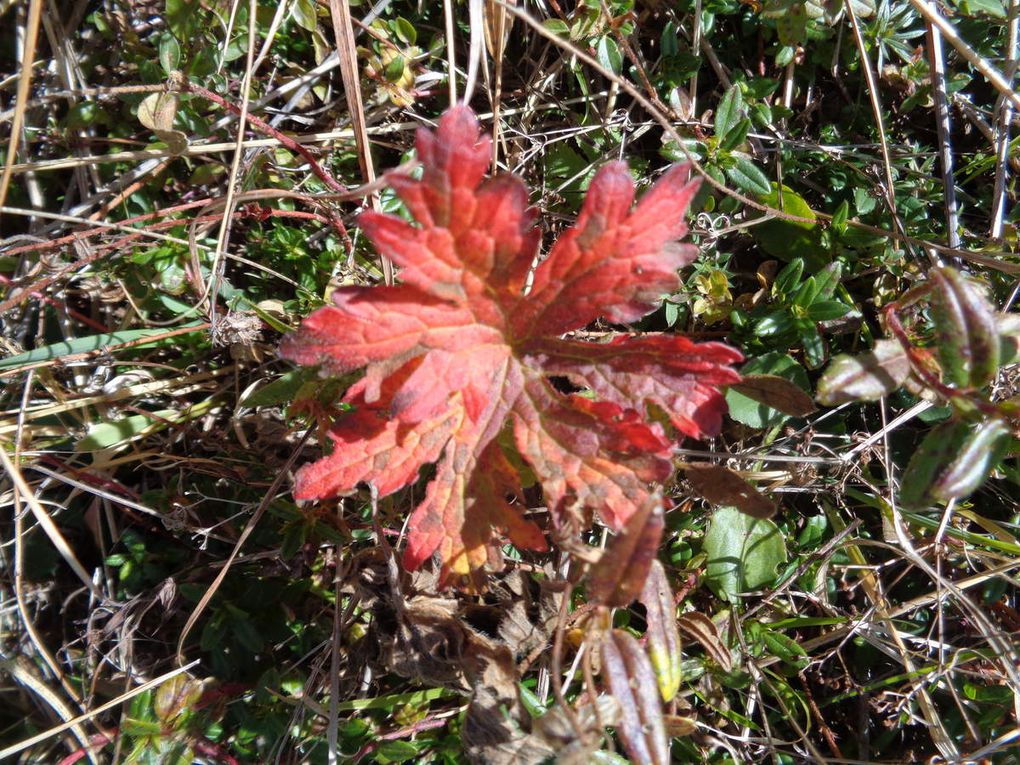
{"x": 264, "y": 127}
{"x": 95, "y": 742}
{"x": 410, "y": 730}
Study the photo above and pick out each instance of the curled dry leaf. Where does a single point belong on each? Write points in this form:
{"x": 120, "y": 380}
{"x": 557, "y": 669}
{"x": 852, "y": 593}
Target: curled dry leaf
{"x": 662, "y": 634}
{"x": 576, "y": 738}
{"x": 678, "y": 726}
{"x": 722, "y": 486}
{"x": 631, "y": 680}
{"x": 777, "y": 393}
{"x": 617, "y": 578}
{"x": 458, "y": 354}
{"x": 157, "y": 112}
{"x": 701, "y": 628}
{"x": 444, "y": 642}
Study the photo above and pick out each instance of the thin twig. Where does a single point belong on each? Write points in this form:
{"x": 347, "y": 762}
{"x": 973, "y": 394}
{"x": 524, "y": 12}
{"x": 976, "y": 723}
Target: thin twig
{"x": 944, "y": 131}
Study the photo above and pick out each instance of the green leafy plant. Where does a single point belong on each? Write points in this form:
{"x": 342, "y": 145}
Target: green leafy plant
{"x": 800, "y": 305}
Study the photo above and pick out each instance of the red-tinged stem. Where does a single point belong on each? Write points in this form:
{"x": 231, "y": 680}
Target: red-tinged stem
{"x": 685, "y": 589}
{"x": 87, "y": 320}
{"x": 919, "y": 368}
{"x": 267, "y": 129}
{"x": 410, "y": 730}
{"x": 79, "y": 235}
{"x": 212, "y": 750}
{"x": 35, "y": 290}
{"x": 95, "y": 742}
{"x": 80, "y": 474}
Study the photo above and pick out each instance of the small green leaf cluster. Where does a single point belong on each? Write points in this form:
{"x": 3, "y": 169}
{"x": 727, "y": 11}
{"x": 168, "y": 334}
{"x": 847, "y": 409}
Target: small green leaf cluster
{"x": 799, "y": 309}
{"x": 724, "y": 154}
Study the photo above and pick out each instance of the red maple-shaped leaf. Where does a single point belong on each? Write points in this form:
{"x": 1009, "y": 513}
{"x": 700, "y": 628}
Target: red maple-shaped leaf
{"x": 462, "y": 351}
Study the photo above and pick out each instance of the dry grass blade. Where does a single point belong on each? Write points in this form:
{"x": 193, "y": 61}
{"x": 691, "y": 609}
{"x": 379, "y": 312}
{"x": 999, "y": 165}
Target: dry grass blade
{"x": 47, "y": 524}
{"x": 1002, "y": 122}
{"x": 944, "y": 131}
{"x": 876, "y": 109}
{"x": 994, "y": 77}
{"x": 212, "y": 290}
{"x": 497, "y": 32}
{"x": 343, "y": 33}
{"x": 35, "y": 9}
{"x": 23, "y": 672}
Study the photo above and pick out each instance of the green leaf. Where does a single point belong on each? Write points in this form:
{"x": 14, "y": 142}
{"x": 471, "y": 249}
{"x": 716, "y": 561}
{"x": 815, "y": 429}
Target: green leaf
{"x": 746, "y": 176}
{"x": 1009, "y": 338}
{"x": 785, "y": 239}
{"x": 395, "y": 69}
{"x": 106, "y": 434}
{"x": 839, "y": 217}
{"x": 182, "y": 16}
{"x": 826, "y": 281}
{"x": 729, "y": 112}
{"x": 866, "y": 376}
{"x": 405, "y": 30}
{"x": 792, "y": 23}
{"x": 863, "y": 201}
{"x": 992, "y": 8}
{"x": 608, "y": 54}
{"x": 967, "y": 327}
{"x": 827, "y": 310}
{"x": 788, "y": 279}
{"x": 815, "y": 350}
{"x": 805, "y": 294}
{"x": 743, "y": 553}
{"x": 175, "y": 697}
{"x": 952, "y": 461}
{"x": 984, "y": 447}
{"x": 282, "y": 390}
{"x": 169, "y": 53}
{"x": 557, "y": 27}
{"x": 735, "y": 138}
{"x": 395, "y": 751}
{"x": 776, "y": 323}
{"x": 668, "y": 41}
{"x": 827, "y": 10}
{"x": 305, "y": 14}
{"x": 785, "y": 648}
{"x": 83, "y": 115}
{"x": 762, "y": 114}
{"x": 753, "y": 413}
